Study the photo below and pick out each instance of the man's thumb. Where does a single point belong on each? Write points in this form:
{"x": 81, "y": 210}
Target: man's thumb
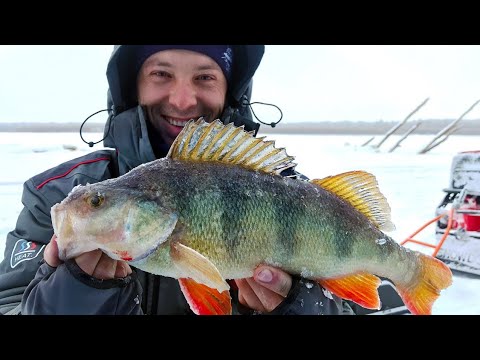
{"x": 274, "y": 279}
{"x": 50, "y": 254}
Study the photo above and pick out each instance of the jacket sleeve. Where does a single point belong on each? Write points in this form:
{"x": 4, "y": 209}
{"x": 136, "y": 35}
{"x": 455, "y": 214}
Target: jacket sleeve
{"x": 23, "y": 250}
{"x": 67, "y": 290}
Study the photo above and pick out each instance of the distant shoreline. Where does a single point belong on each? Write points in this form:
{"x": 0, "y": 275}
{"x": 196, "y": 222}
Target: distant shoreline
{"x": 426, "y": 127}
{"x": 467, "y": 127}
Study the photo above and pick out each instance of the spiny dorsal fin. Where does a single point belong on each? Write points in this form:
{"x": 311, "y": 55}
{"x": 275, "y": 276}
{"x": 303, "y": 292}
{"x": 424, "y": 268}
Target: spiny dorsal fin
{"x": 216, "y": 142}
{"x": 360, "y": 189}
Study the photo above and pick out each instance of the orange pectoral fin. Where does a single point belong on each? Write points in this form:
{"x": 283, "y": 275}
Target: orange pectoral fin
{"x": 204, "y": 300}
{"x": 360, "y": 288}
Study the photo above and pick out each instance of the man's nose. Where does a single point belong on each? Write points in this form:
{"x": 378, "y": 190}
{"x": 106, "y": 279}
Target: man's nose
{"x": 183, "y": 95}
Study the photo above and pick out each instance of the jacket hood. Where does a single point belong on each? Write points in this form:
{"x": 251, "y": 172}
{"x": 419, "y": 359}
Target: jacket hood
{"x": 121, "y": 75}
{"x": 122, "y": 100}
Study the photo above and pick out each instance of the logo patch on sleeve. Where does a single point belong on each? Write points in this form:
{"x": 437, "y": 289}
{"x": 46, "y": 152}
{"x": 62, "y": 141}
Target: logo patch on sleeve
{"x": 24, "y": 250}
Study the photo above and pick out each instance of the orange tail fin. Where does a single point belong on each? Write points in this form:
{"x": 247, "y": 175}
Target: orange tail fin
{"x": 360, "y": 288}
{"x": 433, "y": 277}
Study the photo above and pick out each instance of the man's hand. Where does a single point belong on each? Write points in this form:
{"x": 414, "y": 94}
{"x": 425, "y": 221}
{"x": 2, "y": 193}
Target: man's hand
{"x": 264, "y": 291}
{"x": 94, "y": 263}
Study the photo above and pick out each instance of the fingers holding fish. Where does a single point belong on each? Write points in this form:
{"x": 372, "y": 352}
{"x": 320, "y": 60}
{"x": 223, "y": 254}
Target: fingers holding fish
{"x": 94, "y": 263}
{"x": 269, "y": 299}
{"x": 50, "y": 254}
{"x": 265, "y": 295}
{"x": 101, "y": 266}
{"x": 248, "y": 297}
{"x": 88, "y": 261}
{"x": 274, "y": 279}
{"x": 122, "y": 270}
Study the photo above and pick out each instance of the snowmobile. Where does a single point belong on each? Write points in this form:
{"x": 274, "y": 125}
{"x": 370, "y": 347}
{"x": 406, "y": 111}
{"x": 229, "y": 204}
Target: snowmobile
{"x": 457, "y": 230}
{"x": 460, "y": 207}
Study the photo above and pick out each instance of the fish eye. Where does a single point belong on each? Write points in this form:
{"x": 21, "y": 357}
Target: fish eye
{"x": 96, "y": 200}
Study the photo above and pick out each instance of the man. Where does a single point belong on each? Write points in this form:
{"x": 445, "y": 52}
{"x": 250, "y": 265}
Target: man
{"x": 153, "y": 91}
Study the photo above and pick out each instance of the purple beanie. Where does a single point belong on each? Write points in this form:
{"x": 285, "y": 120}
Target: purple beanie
{"x": 222, "y": 54}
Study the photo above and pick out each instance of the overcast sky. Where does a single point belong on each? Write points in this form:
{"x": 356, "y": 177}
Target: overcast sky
{"x": 309, "y": 82}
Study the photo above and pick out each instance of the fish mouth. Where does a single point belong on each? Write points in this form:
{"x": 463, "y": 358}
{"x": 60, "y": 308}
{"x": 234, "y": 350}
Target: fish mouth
{"x": 58, "y": 215}
{"x": 62, "y": 228}
{"x": 58, "y": 221}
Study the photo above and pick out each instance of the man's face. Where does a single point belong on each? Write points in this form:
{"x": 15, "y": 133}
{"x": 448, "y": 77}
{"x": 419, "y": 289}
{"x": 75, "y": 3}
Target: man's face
{"x": 178, "y": 85}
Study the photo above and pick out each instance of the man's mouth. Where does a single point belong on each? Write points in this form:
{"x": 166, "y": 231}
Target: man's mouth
{"x": 176, "y": 121}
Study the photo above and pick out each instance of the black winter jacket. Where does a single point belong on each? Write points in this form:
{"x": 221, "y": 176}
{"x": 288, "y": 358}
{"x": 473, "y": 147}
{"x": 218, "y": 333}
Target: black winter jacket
{"x": 30, "y": 286}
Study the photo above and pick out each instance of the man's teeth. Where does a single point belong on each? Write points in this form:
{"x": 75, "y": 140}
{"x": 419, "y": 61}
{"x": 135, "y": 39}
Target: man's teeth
{"x": 180, "y": 123}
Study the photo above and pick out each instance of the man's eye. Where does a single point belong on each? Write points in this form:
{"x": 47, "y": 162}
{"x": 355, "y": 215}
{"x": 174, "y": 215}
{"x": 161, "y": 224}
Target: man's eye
{"x": 205, "y": 77}
{"x": 161, "y": 74}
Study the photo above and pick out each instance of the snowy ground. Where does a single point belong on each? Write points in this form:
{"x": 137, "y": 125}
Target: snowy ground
{"x": 412, "y": 183}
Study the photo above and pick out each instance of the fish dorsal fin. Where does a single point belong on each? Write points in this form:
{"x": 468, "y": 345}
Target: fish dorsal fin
{"x": 360, "y": 189}
{"x": 215, "y": 142}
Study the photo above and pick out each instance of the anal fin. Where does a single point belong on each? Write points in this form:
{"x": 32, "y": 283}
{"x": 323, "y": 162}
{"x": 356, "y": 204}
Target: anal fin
{"x": 361, "y": 288}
